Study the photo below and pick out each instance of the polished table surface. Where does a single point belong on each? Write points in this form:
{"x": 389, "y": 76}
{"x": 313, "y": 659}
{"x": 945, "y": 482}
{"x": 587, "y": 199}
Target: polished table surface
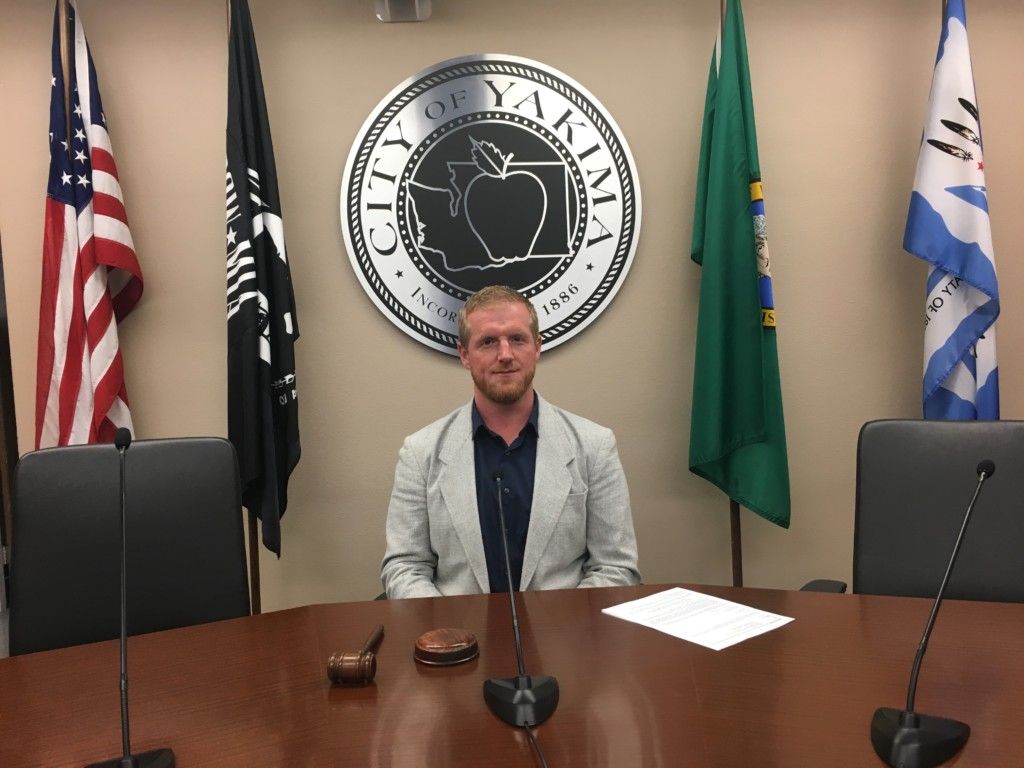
{"x": 254, "y": 691}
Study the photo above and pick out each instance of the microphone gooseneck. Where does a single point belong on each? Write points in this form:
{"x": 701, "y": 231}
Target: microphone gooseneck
{"x": 508, "y": 576}
{"x": 986, "y": 468}
{"x": 155, "y": 758}
{"x": 907, "y": 739}
{"x": 122, "y": 439}
{"x": 523, "y": 700}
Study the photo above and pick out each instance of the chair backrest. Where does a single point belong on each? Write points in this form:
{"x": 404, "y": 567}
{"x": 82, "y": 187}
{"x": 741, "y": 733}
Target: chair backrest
{"x": 914, "y": 481}
{"x": 185, "y": 548}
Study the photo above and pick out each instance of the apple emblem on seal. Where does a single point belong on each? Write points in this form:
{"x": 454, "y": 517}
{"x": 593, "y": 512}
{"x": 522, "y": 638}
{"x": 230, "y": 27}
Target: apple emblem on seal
{"x": 505, "y": 208}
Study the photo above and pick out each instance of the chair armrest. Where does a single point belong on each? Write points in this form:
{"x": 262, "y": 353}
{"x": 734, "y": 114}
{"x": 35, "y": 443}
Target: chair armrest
{"x": 824, "y": 585}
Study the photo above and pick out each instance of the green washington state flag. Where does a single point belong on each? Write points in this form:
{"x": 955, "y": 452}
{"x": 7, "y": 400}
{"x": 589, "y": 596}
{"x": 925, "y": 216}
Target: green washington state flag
{"x": 737, "y": 436}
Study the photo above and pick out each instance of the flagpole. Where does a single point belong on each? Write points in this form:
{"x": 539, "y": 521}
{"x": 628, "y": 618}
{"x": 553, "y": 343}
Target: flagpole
{"x": 254, "y": 565}
{"x": 734, "y": 507}
{"x": 737, "y": 544}
{"x": 254, "y": 541}
{"x": 65, "y": 56}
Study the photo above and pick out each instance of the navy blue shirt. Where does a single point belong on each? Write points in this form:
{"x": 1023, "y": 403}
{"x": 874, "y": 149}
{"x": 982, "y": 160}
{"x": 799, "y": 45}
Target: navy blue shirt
{"x": 517, "y": 463}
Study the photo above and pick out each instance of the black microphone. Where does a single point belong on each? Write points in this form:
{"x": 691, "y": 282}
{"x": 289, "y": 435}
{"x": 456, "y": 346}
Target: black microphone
{"x": 524, "y": 699}
{"x": 157, "y": 758}
{"x": 122, "y": 439}
{"x": 905, "y": 738}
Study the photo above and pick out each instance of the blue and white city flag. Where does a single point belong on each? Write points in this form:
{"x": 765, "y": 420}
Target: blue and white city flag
{"x": 948, "y": 226}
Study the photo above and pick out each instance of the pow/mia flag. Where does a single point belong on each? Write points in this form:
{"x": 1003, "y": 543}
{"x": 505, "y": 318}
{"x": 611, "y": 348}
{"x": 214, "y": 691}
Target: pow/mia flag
{"x": 263, "y": 417}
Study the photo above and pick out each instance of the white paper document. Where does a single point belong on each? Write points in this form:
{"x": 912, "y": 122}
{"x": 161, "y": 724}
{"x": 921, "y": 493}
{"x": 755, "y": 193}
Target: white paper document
{"x": 709, "y": 621}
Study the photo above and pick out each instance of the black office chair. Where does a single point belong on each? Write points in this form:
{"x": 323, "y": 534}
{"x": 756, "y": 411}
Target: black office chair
{"x": 914, "y": 481}
{"x": 186, "y": 553}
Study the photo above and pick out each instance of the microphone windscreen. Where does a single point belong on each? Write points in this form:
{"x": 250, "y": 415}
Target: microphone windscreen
{"x": 987, "y": 466}
{"x": 122, "y": 438}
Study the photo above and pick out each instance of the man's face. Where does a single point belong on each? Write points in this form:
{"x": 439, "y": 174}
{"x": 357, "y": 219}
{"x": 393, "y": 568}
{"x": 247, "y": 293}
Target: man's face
{"x": 502, "y": 353}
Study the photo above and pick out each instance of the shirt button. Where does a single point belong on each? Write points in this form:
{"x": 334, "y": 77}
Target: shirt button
{"x": 506, "y": 490}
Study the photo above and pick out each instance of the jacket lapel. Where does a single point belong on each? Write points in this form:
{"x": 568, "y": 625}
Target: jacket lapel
{"x": 457, "y": 483}
{"x": 551, "y": 485}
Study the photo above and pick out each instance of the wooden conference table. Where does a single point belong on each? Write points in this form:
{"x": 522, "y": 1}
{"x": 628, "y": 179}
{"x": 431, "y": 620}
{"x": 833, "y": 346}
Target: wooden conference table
{"x": 254, "y": 692}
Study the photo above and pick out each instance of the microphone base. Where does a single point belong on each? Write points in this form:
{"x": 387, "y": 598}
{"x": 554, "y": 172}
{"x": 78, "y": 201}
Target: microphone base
{"x": 156, "y": 758}
{"x": 522, "y": 700}
{"x": 910, "y": 740}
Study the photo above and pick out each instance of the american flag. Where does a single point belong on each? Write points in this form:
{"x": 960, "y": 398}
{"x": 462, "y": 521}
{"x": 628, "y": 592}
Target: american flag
{"x": 91, "y": 276}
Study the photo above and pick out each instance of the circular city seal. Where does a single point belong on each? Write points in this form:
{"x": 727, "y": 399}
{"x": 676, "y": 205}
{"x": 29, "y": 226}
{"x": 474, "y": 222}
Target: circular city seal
{"x": 490, "y": 169}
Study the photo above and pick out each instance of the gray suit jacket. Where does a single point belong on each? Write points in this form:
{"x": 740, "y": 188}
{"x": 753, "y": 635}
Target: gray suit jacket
{"x": 581, "y": 528}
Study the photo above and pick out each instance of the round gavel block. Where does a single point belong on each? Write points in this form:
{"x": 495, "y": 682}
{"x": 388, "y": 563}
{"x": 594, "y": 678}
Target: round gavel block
{"x": 443, "y": 647}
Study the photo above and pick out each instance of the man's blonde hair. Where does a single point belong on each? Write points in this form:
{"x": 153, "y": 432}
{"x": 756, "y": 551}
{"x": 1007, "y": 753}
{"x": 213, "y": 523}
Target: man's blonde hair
{"x": 494, "y": 294}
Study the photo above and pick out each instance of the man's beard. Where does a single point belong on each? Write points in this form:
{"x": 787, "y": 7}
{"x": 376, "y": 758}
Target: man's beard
{"x": 510, "y": 393}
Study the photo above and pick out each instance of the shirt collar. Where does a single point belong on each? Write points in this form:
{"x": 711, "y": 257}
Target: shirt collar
{"x": 478, "y": 420}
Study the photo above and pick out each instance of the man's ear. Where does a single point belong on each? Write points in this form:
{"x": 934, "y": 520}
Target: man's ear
{"x": 462, "y": 354}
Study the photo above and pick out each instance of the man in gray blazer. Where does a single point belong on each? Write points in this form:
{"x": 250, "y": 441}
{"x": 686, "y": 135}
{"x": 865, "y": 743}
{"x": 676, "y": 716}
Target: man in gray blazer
{"x": 561, "y": 482}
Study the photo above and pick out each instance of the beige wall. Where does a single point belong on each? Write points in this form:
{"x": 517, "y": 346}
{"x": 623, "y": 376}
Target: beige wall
{"x": 840, "y": 90}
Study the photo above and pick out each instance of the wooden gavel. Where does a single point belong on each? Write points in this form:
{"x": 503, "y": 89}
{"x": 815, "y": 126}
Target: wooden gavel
{"x": 356, "y": 668}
